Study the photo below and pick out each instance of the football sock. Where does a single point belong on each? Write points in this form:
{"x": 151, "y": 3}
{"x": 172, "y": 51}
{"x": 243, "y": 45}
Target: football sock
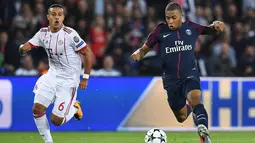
{"x": 201, "y": 115}
{"x": 70, "y": 115}
{"x": 43, "y": 127}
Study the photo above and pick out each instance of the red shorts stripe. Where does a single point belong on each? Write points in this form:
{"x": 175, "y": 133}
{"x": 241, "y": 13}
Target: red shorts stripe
{"x": 70, "y": 103}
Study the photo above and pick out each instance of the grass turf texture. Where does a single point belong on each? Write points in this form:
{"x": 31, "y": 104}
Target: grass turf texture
{"x": 124, "y": 137}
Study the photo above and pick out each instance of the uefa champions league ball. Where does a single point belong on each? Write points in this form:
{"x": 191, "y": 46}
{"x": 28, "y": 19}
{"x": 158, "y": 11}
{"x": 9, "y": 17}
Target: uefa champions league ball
{"x": 155, "y": 136}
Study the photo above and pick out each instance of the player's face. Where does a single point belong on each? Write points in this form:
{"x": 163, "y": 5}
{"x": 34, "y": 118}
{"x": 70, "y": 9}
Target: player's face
{"x": 56, "y": 17}
{"x": 173, "y": 19}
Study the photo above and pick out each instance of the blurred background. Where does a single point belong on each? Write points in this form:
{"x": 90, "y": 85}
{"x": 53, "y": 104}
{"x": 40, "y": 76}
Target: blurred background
{"x": 123, "y": 95}
{"x": 116, "y": 28}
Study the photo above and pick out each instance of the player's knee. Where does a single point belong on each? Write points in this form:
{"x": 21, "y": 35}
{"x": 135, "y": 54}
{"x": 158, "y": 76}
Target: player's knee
{"x": 194, "y": 98}
{"x": 181, "y": 118}
{"x": 38, "y": 109}
{"x": 55, "y": 120}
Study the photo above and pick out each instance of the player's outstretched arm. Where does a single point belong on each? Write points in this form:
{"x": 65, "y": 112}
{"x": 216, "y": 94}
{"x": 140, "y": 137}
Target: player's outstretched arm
{"x": 24, "y": 48}
{"x": 140, "y": 53}
{"x": 215, "y": 28}
{"x": 152, "y": 40}
{"x": 88, "y": 57}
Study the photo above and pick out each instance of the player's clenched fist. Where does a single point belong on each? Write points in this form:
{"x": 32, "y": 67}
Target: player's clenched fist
{"x": 83, "y": 83}
{"x": 219, "y": 26}
{"x": 136, "y": 55}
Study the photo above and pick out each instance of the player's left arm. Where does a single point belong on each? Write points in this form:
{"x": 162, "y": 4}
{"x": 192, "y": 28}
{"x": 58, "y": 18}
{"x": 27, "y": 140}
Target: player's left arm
{"x": 81, "y": 47}
{"x": 214, "y": 28}
{"x": 88, "y": 58}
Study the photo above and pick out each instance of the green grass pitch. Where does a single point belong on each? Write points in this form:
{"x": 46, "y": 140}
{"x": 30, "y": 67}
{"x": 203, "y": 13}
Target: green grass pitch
{"x": 124, "y": 137}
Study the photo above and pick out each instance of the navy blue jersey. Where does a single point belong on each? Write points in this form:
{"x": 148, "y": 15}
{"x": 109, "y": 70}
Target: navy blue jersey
{"x": 176, "y": 48}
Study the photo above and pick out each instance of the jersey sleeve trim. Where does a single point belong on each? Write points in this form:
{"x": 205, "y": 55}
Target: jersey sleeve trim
{"x": 82, "y": 48}
{"x": 31, "y": 45}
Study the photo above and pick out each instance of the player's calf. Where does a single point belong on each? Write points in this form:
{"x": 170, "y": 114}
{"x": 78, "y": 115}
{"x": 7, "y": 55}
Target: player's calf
{"x": 182, "y": 114}
{"x": 57, "y": 121}
{"x": 198, "y": 108}
{"x": 181, "y": 118}
{"x": 41, "y": 122}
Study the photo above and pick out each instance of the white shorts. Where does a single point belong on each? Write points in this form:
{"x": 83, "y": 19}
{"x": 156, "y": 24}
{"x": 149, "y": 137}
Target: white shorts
{"x": 47, "y": 91}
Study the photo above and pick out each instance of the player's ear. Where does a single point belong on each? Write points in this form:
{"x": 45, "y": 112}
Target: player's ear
{"x": 48, "y": 16}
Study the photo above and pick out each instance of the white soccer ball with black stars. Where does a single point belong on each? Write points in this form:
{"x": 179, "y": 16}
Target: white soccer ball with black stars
{"x": 155, "y": 135}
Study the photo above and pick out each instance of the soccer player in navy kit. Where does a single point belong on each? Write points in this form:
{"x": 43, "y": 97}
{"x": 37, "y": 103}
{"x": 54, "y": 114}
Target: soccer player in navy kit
{"x": 176, "y": 40}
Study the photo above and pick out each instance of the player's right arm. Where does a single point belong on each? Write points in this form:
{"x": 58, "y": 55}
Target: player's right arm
{"x": 152, "y": 40}
{"x": 32, "y": 43}
{"x": 140, "y": 53}
{"x": 24, "y": 48}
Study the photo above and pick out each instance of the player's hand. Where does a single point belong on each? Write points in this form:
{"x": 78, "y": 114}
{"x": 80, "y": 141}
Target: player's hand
{"x": 219, "y": 26}
{"x": 136, "y": 56}
{"x": 83, "y": 83}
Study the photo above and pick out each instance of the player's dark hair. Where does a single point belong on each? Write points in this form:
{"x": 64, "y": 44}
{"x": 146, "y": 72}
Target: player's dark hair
{"x": 54, "y": 6}
{"x": 173, "y": 6}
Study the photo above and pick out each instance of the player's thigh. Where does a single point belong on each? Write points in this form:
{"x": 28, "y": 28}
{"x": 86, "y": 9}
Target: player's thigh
{"x": 176, "y": 99}
{"x": 65, "y": 99}
{"x": 193, "y": 91}
{"x": 177, "y": 103}
{"x": 44, "y": 92}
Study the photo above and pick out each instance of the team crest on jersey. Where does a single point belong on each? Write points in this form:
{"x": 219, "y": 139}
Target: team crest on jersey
{"x": 60, "y": 42}
{"x": 188, "y": 32}
{"x": 76, "y": 39}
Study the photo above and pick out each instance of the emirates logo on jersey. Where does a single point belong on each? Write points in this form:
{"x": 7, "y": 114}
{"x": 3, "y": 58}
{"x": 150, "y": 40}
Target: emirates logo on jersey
{"x": 60, "y": 42}
{"x": 179, "y": 46}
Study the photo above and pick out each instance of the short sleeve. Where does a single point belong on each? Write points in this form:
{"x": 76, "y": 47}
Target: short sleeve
{"x": 153, "y": 37}
{"x": 77, "y": 42}
{"x": 199, "y": 28}
{"x": 35, "y": 41}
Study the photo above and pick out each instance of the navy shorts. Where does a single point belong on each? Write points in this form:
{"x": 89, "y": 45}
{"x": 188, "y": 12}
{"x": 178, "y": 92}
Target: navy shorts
{"x": 177, "y": 91}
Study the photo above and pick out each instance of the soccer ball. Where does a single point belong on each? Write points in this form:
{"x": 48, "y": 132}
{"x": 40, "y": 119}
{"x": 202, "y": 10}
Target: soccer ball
{"x": 155, "y": 136}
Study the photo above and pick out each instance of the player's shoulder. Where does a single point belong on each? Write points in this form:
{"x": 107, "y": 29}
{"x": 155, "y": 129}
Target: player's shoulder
{"x": 69, "y": 30}
{"x": 161, "y": 25}
{"x": 44, "y": 29}
{"x": 73, "y": 34}
{"x": 191, "y": 23}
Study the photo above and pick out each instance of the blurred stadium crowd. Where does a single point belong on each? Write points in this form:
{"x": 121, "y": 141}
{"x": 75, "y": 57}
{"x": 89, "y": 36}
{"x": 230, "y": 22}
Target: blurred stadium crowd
{"x": 115, "y": 28}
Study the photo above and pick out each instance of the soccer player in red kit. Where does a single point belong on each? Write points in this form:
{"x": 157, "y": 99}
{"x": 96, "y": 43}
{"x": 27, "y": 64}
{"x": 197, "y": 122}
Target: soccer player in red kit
{"x": 59, "y": 85}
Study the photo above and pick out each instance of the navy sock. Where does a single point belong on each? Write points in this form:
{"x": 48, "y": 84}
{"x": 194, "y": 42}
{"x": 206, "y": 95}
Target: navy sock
{"x": 201, "y": 115}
